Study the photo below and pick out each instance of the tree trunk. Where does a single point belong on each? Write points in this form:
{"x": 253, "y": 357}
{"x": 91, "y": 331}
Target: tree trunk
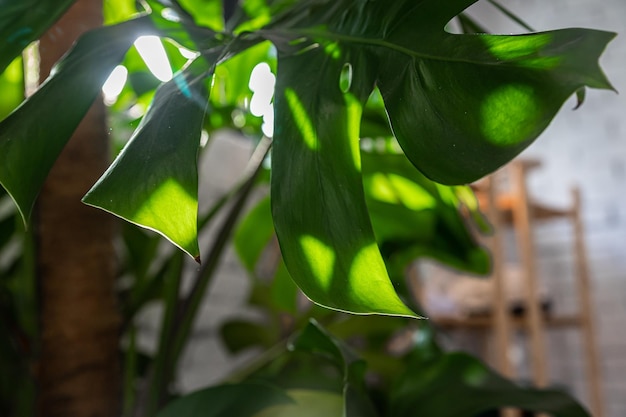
{"x": 79, "y": 372}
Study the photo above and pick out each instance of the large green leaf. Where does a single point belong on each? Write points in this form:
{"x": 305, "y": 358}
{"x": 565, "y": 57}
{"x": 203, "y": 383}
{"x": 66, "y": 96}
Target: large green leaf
{"x": 24, "y": 21}
{"x": 241, "y": 400}
{"x": 457, "y": 385}
{"x": 460, "y": 105}
{"x": 463, "y": 105}
{"x": 318, "y": 203}
{"x": 29, "y": 148}
{"x": 154, "y": 181}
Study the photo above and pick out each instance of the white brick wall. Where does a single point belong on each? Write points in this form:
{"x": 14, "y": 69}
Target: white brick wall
{"x": 587, "y": 148}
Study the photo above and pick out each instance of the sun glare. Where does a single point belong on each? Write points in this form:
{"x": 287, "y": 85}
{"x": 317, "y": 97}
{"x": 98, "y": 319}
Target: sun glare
{"x": 114, "y": 85}
{"x": 262, "y": 83}
{"x": 153, "y": 54}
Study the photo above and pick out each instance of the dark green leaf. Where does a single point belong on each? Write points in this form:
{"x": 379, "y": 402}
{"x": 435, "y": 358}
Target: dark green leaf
{"x": 308, "y": 403}
{"x": 207, "y": 13}
{"x": 318, "y": 341}
{"x": 154, "y": 181}
{"x": 318, "y": 203}
{"x": 460, "y": 105}
{"x": 239, "y": 335}
{"x": 241, "y": 400}
{"x": 457, "y": 385}
{"x": 463, "y": 105}
{"x": 28, "y": 150}
{"x": 254, "y": 233}
{"x": 24, "y": 21}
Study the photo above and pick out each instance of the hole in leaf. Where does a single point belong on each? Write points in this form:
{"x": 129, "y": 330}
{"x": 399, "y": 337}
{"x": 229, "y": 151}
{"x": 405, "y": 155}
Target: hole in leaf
{"x": 345, "y": 79}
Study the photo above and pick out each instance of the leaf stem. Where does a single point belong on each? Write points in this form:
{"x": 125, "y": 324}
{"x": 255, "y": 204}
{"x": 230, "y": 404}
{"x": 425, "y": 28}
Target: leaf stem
{"x": 181, "y": 325}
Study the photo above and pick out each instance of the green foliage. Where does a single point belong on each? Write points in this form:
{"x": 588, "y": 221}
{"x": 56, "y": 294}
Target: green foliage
{"x": 242, "y": 400}
{"x": 161, "y": 168}
{"x": 28, "y": 150}
{"x": 343, "y": 220}
{"x": 459, "y": 105}
{"x": 22, "y": 22}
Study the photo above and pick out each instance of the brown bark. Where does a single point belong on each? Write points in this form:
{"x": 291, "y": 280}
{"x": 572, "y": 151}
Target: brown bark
{"x": 78, "y": 369}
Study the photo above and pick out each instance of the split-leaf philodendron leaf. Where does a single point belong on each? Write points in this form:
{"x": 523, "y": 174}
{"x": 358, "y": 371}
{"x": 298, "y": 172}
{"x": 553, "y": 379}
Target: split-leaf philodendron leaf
{"x": 460, "y": 106}
{"x": 159, "y": 164}
{"x": 32, "y": 137}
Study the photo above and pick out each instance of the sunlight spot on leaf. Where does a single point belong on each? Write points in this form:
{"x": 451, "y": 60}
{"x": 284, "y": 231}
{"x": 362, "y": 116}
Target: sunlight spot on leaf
{"x": 509, "y": 114}
{"x": 302, "y": 120}
{"x": 169, "y": 197}
{"x": 114, "y": 85}
{"x": 354, "y": 110}
{"x": 393, "y": 188}
{"x": 379, "y": 188}
{"x": 370, "y": 270}
{"x": 153, "y": 54}
{"x": 512, "y": 47}
{"x": 321, "y": 259}
{"x": 524, "y": 50}
{"x": 333, "y": 50}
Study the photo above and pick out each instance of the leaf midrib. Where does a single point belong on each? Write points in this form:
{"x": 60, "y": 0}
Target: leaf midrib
{"x": 334, "y": 36}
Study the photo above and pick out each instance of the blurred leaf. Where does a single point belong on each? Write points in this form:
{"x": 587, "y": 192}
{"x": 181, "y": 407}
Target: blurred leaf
{"x": 318, "y": 205}
{"x": 12, "y": 87}
{"x": 207, "y": 13}
{"x": 28, "y": 150}
{"x": 457, "y": 385}
{"x": 117, "y": 11}
{"x": 239, "y": 335}
{"x": 251, "y": 15}
{"x": 254, "y": 233}
{"x": 176, "y": 23}
{"x": 316, "y": 340}
{"x": 157, "y": 170}
{"x": 308, "y": 403}
{"x": 283, "y": 290}
{"x": 7, "y": 229}
{"x": 230, "y": 85}
{"x": 241, "y": 400}
{"x": 413, "y": 217}
{"x": 24, "y": 21}
{"x": 140, "y": 250}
